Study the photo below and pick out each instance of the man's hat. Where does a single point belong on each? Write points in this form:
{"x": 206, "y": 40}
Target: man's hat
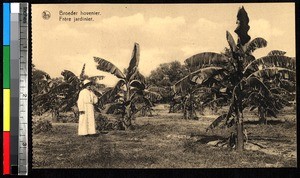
{"x": 87, "y": 82}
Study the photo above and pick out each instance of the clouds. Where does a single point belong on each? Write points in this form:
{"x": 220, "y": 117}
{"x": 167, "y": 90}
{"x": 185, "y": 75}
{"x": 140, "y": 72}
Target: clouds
{"x": 158, "y": 25}
{"x": 153, "y": 31}
{"x": 149, "y": 31}
{"x": 190, "y": 50}
{"x": 66, "y": 30}
{"x": 263, "y": 28}
{"x": 277, "y": 36}
{"x": 138, "y": 20}
{"x": 116, "y": 23}
{"x": 162, "y": 39}
{"x": 165, "y": 34}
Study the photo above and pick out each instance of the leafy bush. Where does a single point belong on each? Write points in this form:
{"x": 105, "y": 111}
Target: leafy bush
{"x": 40, "y": 126}
{"x": 68, "y": 117}
{"x": 104, "y": 123}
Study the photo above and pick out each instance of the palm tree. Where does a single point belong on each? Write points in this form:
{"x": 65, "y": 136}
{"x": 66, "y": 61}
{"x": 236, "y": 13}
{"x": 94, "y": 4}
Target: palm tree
{"x": 238, "y": 74}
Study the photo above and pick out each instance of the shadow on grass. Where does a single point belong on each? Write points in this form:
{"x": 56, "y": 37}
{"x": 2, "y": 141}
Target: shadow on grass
{"x": 270, "y": 139}
{"x": 112, "y": 155}
{"x": 269, "y": 122}
{"x": 204, "y": 139}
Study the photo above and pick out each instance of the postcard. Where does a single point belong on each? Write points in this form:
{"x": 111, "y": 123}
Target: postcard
{"x": 164, "y": 85}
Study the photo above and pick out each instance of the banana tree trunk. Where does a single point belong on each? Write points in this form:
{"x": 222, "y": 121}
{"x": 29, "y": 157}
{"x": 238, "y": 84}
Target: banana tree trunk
{"x": 143, "y": 112}
{"x": 75, "y": 112}
{"x": 127, "y": 118}
{"x": 189, "y": 108}
{"x": 201, "y": 109}
{"x": 185, "y": 111}
{"x": 215, "y": 109}
{"x": 172, "y": 105}
{"x": 194, "y": 114}
{"x": 55, "y": 115}
{"x": 262, "y": 116}
{"x": 239, "y": 131}
{"x": 214, "y": 106}
{"x": 193, "y": 109}
{"x": 128, "y": 111}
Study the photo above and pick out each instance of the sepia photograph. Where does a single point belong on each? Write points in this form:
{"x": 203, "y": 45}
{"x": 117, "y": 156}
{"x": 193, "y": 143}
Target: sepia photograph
{"x": 164, "y": 85}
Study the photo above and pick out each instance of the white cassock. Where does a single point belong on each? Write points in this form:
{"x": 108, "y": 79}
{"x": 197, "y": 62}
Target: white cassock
{"x": 85, "y": 103}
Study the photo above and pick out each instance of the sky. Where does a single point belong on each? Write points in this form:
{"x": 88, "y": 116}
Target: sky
{"x": 165, "y": 32}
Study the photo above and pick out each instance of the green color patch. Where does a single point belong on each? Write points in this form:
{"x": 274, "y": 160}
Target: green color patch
{"x": 6, "y": 66}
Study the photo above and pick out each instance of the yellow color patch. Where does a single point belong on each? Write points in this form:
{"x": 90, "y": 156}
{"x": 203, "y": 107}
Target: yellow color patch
{"x": 6, "y": 109}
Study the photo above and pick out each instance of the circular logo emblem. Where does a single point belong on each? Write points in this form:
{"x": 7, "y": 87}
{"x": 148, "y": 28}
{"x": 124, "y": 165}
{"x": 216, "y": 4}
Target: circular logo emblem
{"x": 46, "y": 15}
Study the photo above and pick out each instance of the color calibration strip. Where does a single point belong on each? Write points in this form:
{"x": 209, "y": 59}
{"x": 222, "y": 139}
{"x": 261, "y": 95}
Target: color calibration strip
{"x": 6, "y": 88}
{"x": 14, "y": 84}
{"x": 15, "y": 88}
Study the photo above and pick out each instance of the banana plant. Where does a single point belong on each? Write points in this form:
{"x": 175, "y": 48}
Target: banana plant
{"x": 75, "y": 85}
{"x": 40, "y": 81}
{"x": 122, "y": 95}
{"x": 282, "y": 90}
{"x": 40, "y": 86}
{"x": 59, "y": 94}
{"x": 146, "y": 98}
{"x": 196, "y": 85}
{"x": 240, "y": 74}
{"x": 47, "y": 93}
{"x": 130, "y": 90}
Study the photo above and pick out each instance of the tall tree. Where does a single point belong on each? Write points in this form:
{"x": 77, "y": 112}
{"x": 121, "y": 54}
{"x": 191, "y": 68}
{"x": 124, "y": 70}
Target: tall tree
{"x": 165, "y": 76}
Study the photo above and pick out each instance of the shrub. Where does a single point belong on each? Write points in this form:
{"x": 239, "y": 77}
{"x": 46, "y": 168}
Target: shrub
{"x": 68, "y": 117}
{"x": 40, "y": 126}
{"x": 104, "y": 123}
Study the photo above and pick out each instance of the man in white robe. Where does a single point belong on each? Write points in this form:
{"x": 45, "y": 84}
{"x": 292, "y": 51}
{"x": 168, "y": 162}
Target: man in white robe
{"x": 86, "y": 99}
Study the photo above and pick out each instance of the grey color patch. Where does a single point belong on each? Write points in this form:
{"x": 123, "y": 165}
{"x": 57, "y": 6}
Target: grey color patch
{"x": 14, "y": 73}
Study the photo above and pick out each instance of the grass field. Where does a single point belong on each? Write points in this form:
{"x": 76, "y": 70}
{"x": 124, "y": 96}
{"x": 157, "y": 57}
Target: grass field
{"x": 166, "y": 141}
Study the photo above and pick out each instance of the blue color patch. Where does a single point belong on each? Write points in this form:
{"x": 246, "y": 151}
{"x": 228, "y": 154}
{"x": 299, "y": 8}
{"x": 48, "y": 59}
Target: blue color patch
{"x": 6, "y": 23}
